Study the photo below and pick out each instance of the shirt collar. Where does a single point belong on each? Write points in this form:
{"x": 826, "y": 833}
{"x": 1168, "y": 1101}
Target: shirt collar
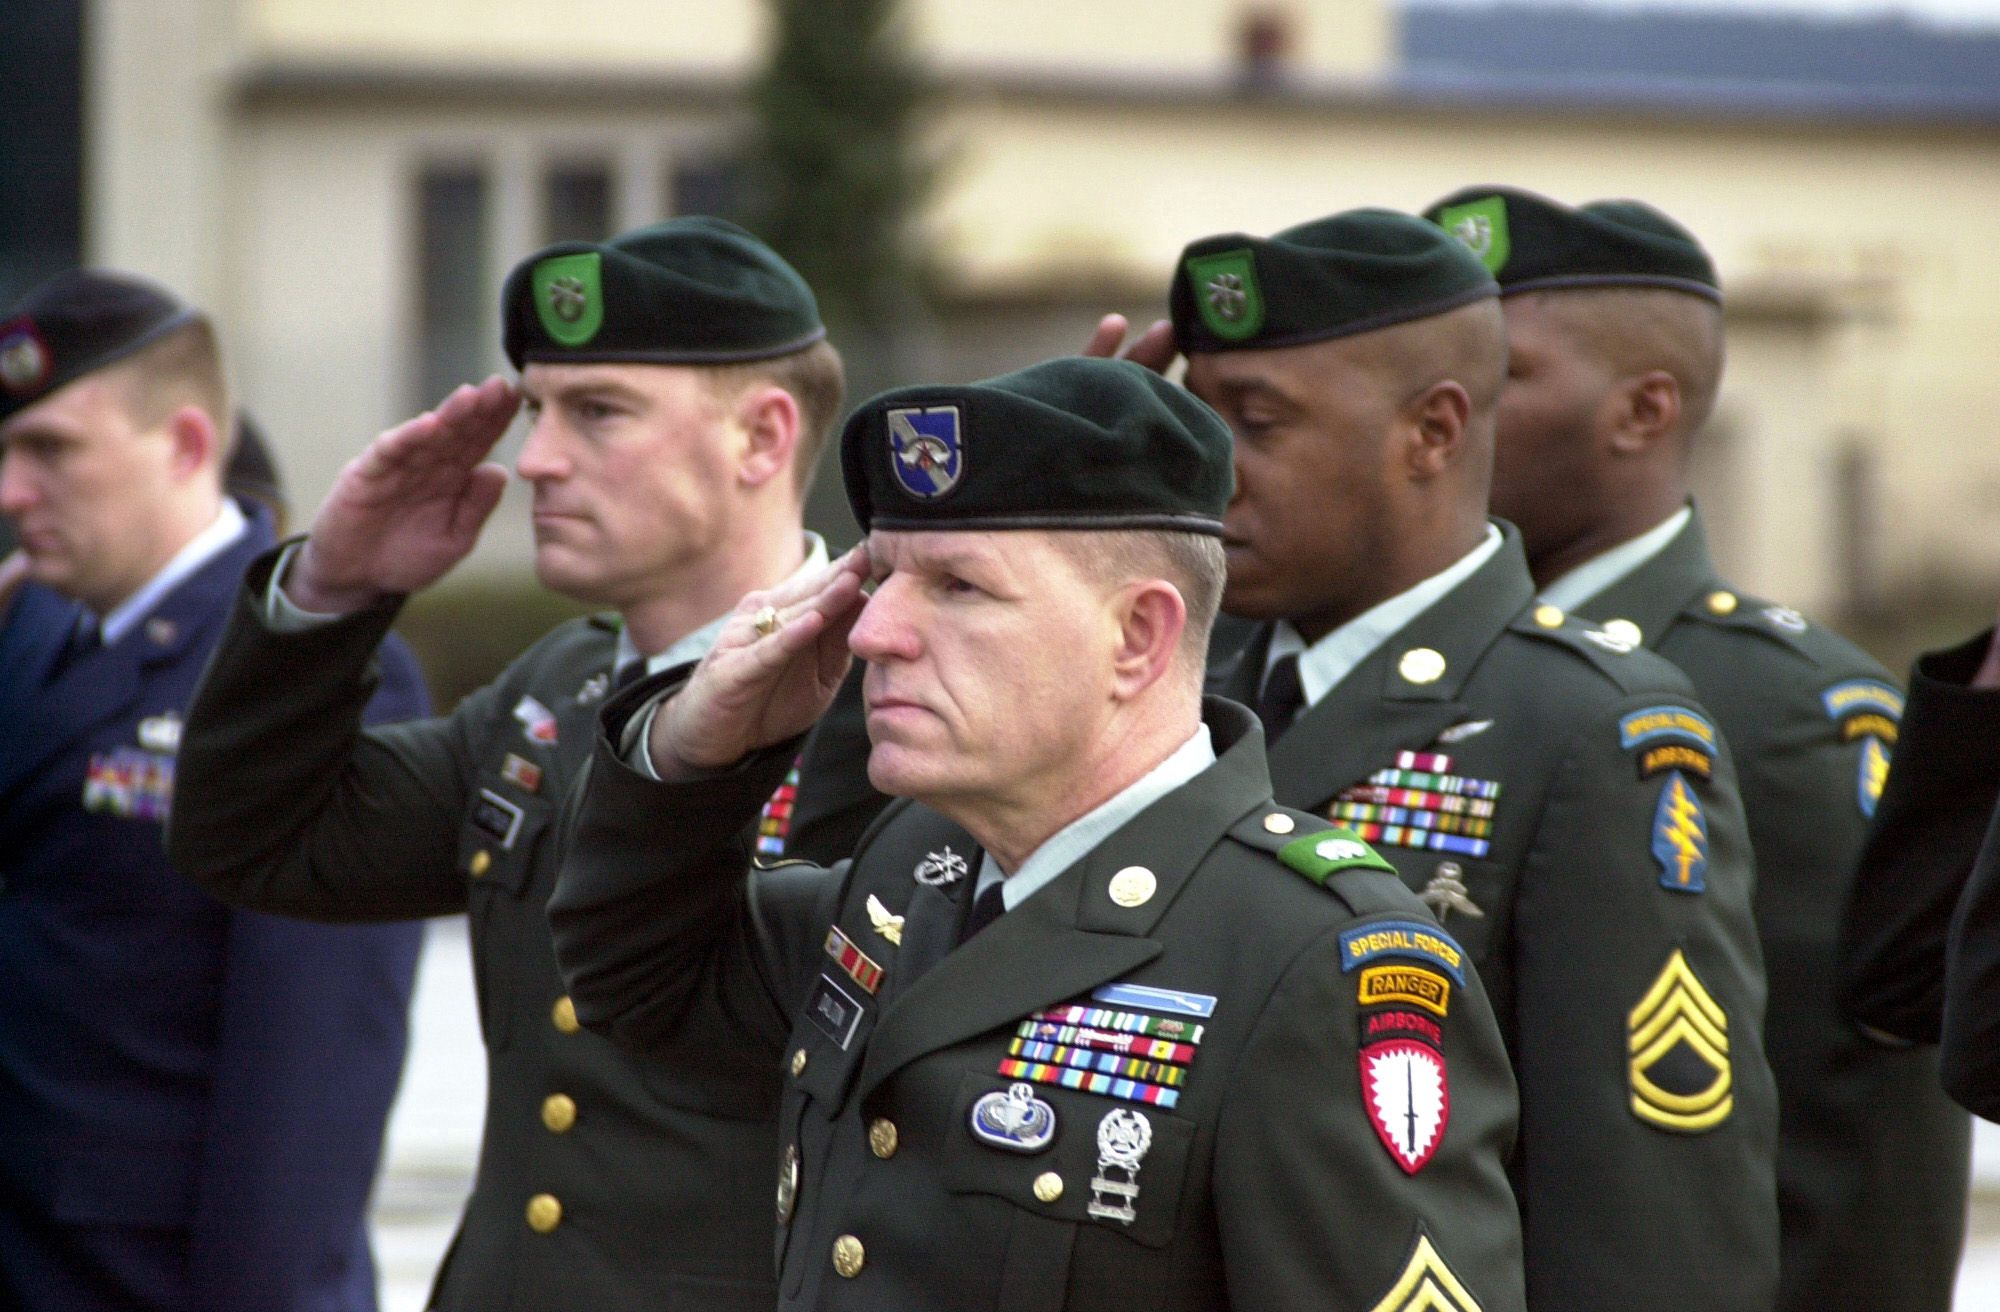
{"x": 1076, "y": 840}
{"x": 1324, "y": 664}
{"x": 203, "y": 547}
{"x": 694, "y": 646}
{"x": 1573, "y": 589}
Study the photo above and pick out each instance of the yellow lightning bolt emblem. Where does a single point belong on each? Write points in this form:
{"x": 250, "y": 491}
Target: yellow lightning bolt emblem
{"x": 1680, "y": 837}
{"x": 1874, "y": 773}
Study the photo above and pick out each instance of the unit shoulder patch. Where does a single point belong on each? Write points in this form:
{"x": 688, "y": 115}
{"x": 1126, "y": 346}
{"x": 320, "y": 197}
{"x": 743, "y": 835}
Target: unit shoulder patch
{"x": 1677, "y": 1053}
{"x": 1426, "y": 1284}
{"x": 1363, "y": 944}
{"x": 1318, "y": 856}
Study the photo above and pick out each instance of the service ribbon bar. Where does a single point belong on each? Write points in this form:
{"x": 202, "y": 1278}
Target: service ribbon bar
{"x": 1067, "y": 1077}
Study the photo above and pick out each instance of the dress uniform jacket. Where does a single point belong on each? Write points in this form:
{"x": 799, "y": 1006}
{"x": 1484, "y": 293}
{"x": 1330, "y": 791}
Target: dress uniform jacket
{"x": 605, "y": 1182}
{"x": 1645, "y": 1165}
{"x": 1872, "y": 1158}
{"x": 193, "y": 1097}
{"x": 1260, "y": 1183}
{"x": 1935, "y": 810}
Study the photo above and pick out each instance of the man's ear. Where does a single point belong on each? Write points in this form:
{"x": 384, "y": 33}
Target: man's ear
{"x": 768, "y": 418}
{"x": 1151, "y": 619}
{"x": 1648, "y": 411}
{"x": 197, "y": 442}
{"x": 1436, "y": 428}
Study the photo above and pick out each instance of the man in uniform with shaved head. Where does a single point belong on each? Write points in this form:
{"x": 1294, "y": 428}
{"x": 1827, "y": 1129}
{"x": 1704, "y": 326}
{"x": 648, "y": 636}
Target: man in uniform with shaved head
{"x": 1614, "y": 319}
{"x": 1559, "y": 798}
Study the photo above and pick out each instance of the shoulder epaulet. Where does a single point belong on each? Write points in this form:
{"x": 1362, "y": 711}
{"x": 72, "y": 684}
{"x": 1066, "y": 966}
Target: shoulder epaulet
{"x": 1610, "y": 653}
{"x": 1724, "y": 607}
{"x": 1337, "y": 859}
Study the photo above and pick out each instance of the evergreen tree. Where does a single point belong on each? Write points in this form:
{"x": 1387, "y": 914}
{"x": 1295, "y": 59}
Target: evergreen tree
{"x": 837, "y": 178}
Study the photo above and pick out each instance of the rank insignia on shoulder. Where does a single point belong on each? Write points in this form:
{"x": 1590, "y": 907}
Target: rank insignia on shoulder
{"x": 1680, "y": 837}
{"x": 1426, "y": 1284}
{"x": 1677, "y": 1048}
{"x": 1874, "y": 774}
{"x": 537, "y": 720}
{"x": 1321, "y": 855}
{"x": 1369, "y": 942}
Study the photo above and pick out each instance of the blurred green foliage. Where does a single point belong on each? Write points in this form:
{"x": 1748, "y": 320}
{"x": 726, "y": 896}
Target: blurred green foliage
{"x": 465, "y": 633}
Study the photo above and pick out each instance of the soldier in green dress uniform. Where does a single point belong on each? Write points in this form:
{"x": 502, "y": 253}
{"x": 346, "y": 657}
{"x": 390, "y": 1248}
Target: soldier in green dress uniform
{"x": 1090, "y": 1022}
{"x": 1615, "y": 330}
{"x": 1558, "y": 796}
{"x": 679, "y": 385}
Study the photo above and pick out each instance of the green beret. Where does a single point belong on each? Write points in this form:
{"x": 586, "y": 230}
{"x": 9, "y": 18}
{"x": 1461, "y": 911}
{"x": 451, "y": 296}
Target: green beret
{"x": 1069, "y": 444}
{"x": 1334, "y": 277}
{"x": 1533, "y": 243}
{"x": 75, "y": 323}
{"x": 693, "y": 290}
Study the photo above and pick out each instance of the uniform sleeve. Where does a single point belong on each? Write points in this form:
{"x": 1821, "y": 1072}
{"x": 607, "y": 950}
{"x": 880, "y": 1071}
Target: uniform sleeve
{"x": 1648, "y": 1112}
{"x": 309, "y": 1047}
{"x": 284, "y": 804}
{"x": 663, "y": 933}
{"x": 1970, "y": 1055}
{"x": 1313, "y": 1209}
{"x": 835, "y": 802}
{"x": 1934, "y": 810}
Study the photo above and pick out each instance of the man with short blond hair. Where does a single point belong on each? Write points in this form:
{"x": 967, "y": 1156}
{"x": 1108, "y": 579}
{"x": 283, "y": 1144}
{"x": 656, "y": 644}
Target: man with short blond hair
{"x": 677, "y": 383}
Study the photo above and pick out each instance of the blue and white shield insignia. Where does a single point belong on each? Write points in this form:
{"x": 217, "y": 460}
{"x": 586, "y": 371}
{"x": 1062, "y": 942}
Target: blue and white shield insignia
{"x": 925, "y": 451}
{"x": 1016, "y": 1120}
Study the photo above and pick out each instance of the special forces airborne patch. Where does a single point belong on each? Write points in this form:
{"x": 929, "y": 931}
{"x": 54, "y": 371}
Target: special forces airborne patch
{"x": 1426, "y": 1284}
{"x": 1678, "y": 1053}
{"x": 1870, "y": 711}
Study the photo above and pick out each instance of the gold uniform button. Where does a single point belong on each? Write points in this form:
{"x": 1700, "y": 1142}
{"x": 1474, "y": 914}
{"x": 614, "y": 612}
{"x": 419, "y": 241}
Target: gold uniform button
{"x": 1626, "y": 632}
{"x": 544, "y": 1213}
{"x": 1549, "y": 617}
{"x": 1048, "y": 1187}
{"x": 1421, "y": 665}
{"x": 1722, "y": 603}
{"x": 882, "y": 1137}
{"x": 1279, "y": 823}
{"x": 482, "y": 861}
{"x": 558, "y": 1112}
{"x": 563, "y": 1015}
{"x": 798, "y": 1063}
{"x": 849, "y": 1256}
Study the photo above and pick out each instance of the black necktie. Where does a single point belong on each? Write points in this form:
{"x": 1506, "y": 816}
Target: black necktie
{"x": 84, "y": 637}
{"x": 986, "y": 909}
{"x": 1278, "y": 705}
{"x": 628, "y": 674}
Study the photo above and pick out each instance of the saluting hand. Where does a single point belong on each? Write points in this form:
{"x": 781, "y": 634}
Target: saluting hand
{"x": 774, "y": 670}
{"x": 409, "y": 507}
{"x": 1153, "y": 349}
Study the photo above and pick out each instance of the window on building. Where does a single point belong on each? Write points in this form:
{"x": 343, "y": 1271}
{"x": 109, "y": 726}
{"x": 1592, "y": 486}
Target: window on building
{"x": 577, "y": 201}
{"x": 455, "y": 302}
{"x": 706, "y": 184}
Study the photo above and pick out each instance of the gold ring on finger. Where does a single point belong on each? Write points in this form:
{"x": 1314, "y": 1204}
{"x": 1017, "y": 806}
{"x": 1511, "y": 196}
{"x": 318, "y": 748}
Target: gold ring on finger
{"x": 765, "y": 621}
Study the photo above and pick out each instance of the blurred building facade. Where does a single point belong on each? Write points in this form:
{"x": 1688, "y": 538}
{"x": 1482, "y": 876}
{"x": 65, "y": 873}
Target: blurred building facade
{"x": 347, "y": 181}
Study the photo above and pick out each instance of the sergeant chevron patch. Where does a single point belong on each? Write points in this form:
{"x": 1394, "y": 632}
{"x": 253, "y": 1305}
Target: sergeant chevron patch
{"x": 1426, "y": 1284}
{"x": 1678, "y": 1053}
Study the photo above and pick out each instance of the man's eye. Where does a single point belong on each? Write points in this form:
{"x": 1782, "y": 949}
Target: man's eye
{"x": 955, "y": 585}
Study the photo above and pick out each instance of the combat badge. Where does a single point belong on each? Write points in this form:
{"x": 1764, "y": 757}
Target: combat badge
{"x": 1426, "y": 1284}
{"x": 940, "y": 869}
{"x": 1123, "y": 1139}
{"x": 1678, "y": 1053}
{"x": 1680, "y": 837}
{"x": 925, "y": 450}
{"x": 1016, "y": 1121}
